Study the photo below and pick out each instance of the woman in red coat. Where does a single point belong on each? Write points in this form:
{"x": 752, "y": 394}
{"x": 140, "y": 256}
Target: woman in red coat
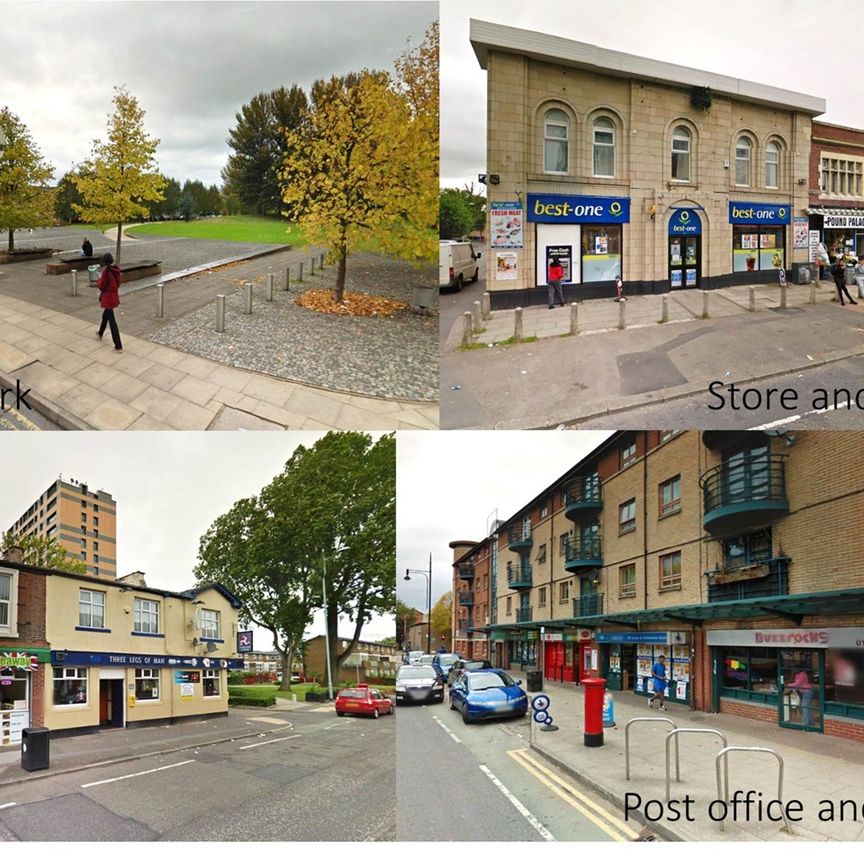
{"x": 109, "y": 298}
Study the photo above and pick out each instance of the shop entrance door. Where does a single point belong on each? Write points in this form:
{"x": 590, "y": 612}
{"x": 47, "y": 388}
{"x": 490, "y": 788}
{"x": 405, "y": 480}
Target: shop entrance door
{"x": 802, "y": 695}
{"x": 684, "y": 261}
{"x": 554, "y": 661}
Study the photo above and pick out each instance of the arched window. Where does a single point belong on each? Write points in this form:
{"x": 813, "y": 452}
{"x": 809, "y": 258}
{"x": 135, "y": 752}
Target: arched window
{"x": 743, "y": 150}
{"x": 772, "y": 165}
{"x": 556, "y": 142}
{"x": 681, "y": 153}
{"x": 604, "y": 147}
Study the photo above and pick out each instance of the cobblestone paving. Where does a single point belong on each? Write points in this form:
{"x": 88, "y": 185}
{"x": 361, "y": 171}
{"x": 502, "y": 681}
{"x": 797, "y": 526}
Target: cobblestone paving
{"x": 395, "y": 358}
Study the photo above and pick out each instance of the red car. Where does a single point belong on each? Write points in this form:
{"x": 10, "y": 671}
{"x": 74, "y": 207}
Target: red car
{"x": 363, "y": 700}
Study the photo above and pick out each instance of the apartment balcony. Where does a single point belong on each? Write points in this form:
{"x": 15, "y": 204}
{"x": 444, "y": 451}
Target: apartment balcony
{"x": 580, "y": 553}
{"x": 466, "y": 598}
{"x": 519, "y": 538}
{"x": 582, "y": 497}
{"x": 744, "y": 493}
{"x": 466, "y": 572}
{"x": 768, "y": 578}
{"x": 587, "y": 604}
{"x": 524, "y": 615}
{"x": 518, "y": 575}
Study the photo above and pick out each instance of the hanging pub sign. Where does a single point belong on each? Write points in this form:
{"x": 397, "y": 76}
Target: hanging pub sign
{"x": 244, "y": 641}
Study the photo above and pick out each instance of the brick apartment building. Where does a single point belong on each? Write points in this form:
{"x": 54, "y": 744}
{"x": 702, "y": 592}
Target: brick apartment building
{"x": 736, "y": 555}
{"x": 82, "y": 521}
{"x": 617, "y": 164}
{"x": 367, "y": 660}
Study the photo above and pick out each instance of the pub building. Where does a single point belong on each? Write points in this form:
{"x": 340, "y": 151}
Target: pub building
{"x": 666, "y": 176}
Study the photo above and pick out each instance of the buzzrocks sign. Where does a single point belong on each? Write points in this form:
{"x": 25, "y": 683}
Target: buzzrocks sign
{"x": 824, "y": 637}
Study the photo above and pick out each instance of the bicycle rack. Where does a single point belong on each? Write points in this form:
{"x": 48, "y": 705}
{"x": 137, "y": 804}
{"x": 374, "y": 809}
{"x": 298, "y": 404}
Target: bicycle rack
{"x": 673, "y": 734}
{"x": 724, "y": 755}
{"x": 627, "y": 726}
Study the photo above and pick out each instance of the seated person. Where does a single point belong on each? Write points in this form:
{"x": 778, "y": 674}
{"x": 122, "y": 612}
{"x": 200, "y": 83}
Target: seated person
{"x": 87, "y": 248}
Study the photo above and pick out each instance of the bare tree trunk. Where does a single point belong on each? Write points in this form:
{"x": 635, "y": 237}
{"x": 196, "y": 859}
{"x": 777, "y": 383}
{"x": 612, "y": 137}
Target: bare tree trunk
{"x": 340, "y": 274}
{"x": 11, "y": 239}
{"x": 119, "y": 235}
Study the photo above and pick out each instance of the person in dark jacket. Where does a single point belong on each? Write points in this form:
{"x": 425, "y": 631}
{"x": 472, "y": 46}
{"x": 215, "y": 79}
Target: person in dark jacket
{"x": 838, "y": 271}
{"x": 87, "y": 248}
{"x": 554, "y": 277}
{"x": 109, "y": 298}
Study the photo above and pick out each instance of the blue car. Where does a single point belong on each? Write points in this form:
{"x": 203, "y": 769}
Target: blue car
{"x": 487, "y": 693}
{"x": 443, "y": 662}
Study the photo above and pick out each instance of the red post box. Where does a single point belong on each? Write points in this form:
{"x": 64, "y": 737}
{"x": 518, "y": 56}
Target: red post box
{"x": 594, "y": 691}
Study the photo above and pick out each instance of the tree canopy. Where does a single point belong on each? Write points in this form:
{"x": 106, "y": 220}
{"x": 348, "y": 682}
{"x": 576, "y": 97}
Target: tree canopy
{"x": 121, "y": 174}
{"x": 442, "y": 618}
{"x": 25, "y": 199}
{"x": 44, "y": 552}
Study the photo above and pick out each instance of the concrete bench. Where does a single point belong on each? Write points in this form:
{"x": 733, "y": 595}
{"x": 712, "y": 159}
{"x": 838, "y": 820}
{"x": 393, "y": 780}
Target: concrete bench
{"x": 131, "y": 271}
{"x": 65, "y": 263}
{"x": 25, "y": 254}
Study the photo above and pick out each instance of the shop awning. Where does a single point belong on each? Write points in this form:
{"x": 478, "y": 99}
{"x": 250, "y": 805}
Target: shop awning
{"x": 790, "y": 607}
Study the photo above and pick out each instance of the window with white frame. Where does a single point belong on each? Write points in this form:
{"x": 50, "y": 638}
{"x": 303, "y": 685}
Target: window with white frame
{"x": 604, "y": 147}
{"x": 840, "y": 175}
{"x": 8, "y": 601}
{"x": 772, "y": 165}
{"x": 146, "y": 616}
{"x": 743, "y": 150}
{"x": 147, "y": 685}
{"x": 681, "y": 153}
{"x": 70, "y": 686}
{"x": 91, "y": 608}
{"x": 209, "y": 624}
{"x": 556, "y": 142}
{"x": 627, "y": 516}
{"x": 212, "y": 679}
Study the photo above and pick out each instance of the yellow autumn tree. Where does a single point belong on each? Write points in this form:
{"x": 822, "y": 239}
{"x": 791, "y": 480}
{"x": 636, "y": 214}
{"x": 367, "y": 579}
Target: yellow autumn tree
{"x": 121, "y": 173}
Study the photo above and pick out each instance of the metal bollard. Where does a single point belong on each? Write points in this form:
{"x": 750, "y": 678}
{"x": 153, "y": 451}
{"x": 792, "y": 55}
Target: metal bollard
{"x": 322, "y": 261}
{"x": 517, "y": 324}
{"x": 705, "y": 296}
{"x": 247, "y": 298}
{"x": 312, "y": 267}
{"x": 466, "y": 329}
{"x": 287, "y": 278}
{"x": 220, "y": 313}
{"x": 752, "y": 292}
{"x": 160, "y": 300}
{"x": 300, "y": 277}
{"x": 783, "y": 296}
{"x": 812, "y": 293}
{"x": 622, "y": 323}
{"x": 476, "y": 316}
{"x": 74, "y": 283}
{"x": 486, "y": 306}
{"x": 664, "y": 309}
{"x": 574, "y": 319}
{"x": 269, "y": 294}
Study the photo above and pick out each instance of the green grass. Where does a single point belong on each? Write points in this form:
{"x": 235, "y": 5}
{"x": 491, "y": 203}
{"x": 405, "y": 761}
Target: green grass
{"x": 242, "y": 229}
{"x": 512, "y": 340}
{"x": 256, "y": 691}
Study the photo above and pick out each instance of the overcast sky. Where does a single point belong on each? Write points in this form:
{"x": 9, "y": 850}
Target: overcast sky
{"x": 169, "y": 488}
{"x": 449, "y": 485}
{"x": 807, "y": 47}
{"x": 190, "y": 65}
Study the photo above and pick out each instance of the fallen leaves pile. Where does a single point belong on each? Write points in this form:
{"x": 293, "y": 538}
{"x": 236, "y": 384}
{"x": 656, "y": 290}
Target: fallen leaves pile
{"x": 366, "y": 305}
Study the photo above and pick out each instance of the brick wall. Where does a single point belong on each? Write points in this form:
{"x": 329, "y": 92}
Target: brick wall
{"x": 835, "y": 140}
{"x": 31, "y": 611}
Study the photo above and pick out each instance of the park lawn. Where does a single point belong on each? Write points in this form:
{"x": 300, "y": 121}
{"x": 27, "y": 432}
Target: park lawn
{"x": 241, "y": 229}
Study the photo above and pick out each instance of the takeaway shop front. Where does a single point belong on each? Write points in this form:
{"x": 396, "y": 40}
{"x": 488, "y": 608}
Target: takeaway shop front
{"x": 800, "y": 678}
{"x": 627, "y": 660}
{"x": 86, "y": 691}
{"x": 586, "y": 233}
{"x": 21, "y": 681}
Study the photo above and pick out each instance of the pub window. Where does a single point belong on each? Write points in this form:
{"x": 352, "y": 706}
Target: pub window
{"x": 211, "y": 682}
{"x": 681, "y": 153}
{"x": 70, "y": 686}
{"x": 556, "y": 142}
{"x": 772, "y": 165}
{"x": 146, "y": 685}
{"x": 604, "y": 147}
{"x": 146, "y": 616}
{"x": 210, "y": 624}
{"x": 91, "y": 608}
{"x": 743, "y": 151}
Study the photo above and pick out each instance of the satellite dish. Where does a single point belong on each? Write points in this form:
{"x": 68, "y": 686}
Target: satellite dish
{"x": 211, "y": 647}
{"x": 195, "y": 642}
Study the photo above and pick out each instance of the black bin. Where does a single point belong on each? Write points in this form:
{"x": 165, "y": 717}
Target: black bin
{"x": 535, "y": 680}
{"x": 34, "y": 748}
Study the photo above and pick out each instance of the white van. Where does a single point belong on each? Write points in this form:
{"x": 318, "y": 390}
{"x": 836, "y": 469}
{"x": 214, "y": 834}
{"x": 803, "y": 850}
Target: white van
{"x": 457, "y": 263}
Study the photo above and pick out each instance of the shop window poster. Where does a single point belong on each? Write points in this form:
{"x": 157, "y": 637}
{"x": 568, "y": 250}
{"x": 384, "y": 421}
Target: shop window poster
{"x": 505, "y": 265}
{"x": 601, "y": 244}
{"x": 505, "y": 223}
{"x": 801, "y": 232}
{"x": 681, "y": 690}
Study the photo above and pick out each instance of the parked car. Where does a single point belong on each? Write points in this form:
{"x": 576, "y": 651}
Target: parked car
{"x": 468, "y": 665}
{"x": 487, "y": 693}
{"x": 443, "y": 662}
{"x": 418, "y": 684}
{"x": 363, "y": 700}
{"x": 414, "y": 657}
{"x": 426, "y": 660}
{"x": 457, "y": 263}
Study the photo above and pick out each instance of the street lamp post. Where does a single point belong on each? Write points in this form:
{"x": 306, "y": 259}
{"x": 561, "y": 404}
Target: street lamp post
{"x": 326, "y": 626}
{"x": 428, "y": 576}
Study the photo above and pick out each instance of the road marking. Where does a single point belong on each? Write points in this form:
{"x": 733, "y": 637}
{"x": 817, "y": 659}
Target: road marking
{"x": 567, "y": 792}
{"x": 536, "y": 824}
{"x": 448, "y": 731}
{"x": 4, "y": 806}
{"x": 271, "y": 741}
{"x": 139, "y": 774}
{"x": 276, "y": 721}
{"x": 795, "y": 417}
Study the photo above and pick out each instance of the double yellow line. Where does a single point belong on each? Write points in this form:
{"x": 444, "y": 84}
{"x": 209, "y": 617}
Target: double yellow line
{"x": 599, "y": 816}
{"x": 29, "y": 425}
